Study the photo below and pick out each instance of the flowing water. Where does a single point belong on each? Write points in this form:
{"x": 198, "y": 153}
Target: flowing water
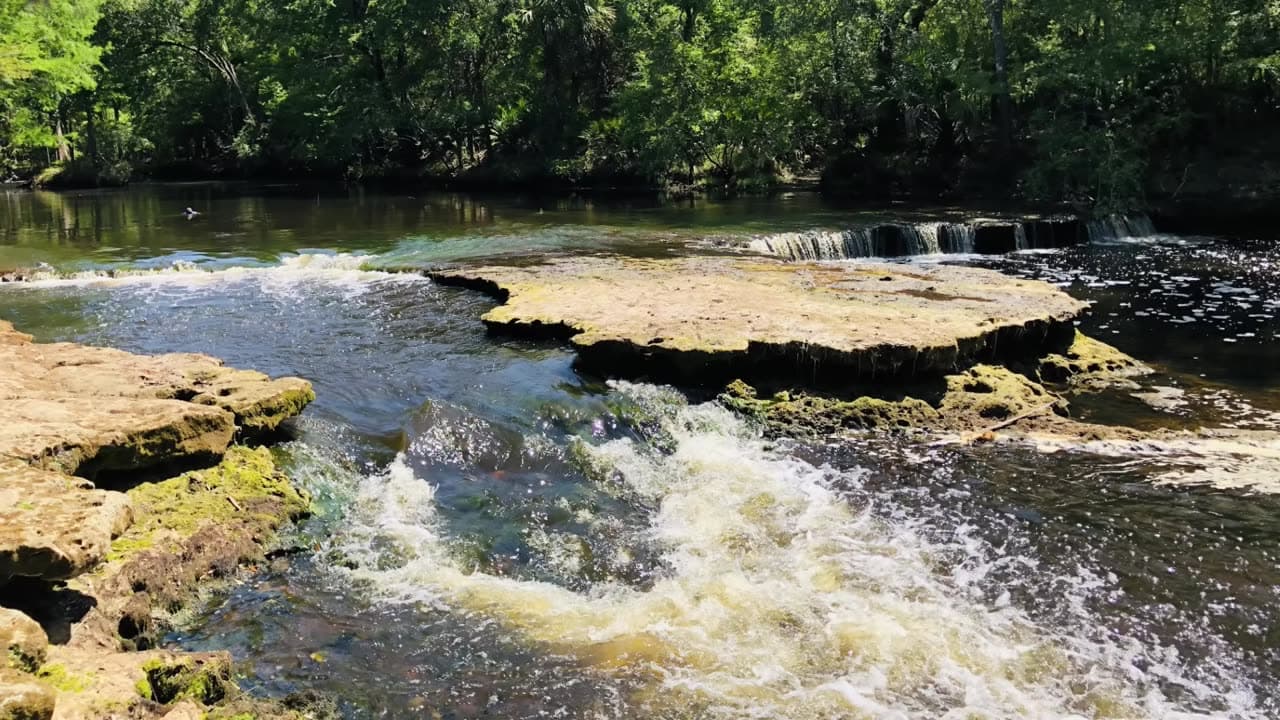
{"x": 499, "y": 536}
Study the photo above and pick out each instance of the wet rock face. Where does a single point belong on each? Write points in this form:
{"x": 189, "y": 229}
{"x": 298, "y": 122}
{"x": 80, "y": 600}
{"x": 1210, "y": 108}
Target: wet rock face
{"x": 707, "y": 320}
{"x": 979, "y": 397}
{"x": 1026, "y": 395}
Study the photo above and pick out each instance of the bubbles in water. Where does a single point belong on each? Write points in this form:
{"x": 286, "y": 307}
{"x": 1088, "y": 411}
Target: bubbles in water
{"x": 780, "y": 599}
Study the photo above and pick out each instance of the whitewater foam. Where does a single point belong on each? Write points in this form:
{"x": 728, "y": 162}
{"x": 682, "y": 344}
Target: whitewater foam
{"x": 779, "y": 599}
{"x": 351, "y": 271}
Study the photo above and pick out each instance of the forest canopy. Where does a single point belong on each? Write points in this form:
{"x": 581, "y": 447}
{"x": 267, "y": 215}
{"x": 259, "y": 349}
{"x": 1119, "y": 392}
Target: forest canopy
{"x": 1100, "y": 102}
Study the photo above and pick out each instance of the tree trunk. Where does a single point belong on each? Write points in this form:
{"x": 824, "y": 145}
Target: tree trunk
{"x": 1001, "y": 100}
{"x": 64, "y": 150}
{"x": 93, "y": 137}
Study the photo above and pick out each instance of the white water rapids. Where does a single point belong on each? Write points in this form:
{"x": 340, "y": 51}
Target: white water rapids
{"x": 780, "y": 599}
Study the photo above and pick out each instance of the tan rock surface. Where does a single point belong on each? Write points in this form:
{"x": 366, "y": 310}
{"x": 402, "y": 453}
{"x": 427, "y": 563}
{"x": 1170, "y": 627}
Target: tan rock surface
{"x": 709, "y": 318}
{"x": 83, "y": 409}
{"x": 22, "y": 698}
{"x": 23, "y": 641}
{"x": 69, "y": 409}
{"x": 52, "y": 525}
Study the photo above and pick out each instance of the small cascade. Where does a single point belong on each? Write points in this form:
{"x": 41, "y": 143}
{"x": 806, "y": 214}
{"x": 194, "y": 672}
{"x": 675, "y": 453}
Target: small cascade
{"x": 903, "y": 239}
{"x": 1118, "y": 227}
{"x": 958, "y": 238}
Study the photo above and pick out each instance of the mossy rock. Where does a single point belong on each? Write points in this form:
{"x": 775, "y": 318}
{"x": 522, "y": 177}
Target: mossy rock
{"x": 246, "y": 485}
{"x": 993, "y": 393}
{"x": 61, "y": 679}
{"x": 1088, "y": 362}
{"x": 205, "y": 680}
{"x": 976, "y": 398}
{"x": 199, "y": 526}
{"x": 802, "y": 415}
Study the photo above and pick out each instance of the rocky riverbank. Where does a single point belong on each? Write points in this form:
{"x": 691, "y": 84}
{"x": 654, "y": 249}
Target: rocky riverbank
{"x": 104, "y": 536}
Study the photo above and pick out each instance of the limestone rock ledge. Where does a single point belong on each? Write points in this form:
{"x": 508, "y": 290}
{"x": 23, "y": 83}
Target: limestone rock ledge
{"x": 70, "y": 412}
{"x": 708, "y": 320}
{"x": 101, "y": 569}
{"x": 82, "y": 410}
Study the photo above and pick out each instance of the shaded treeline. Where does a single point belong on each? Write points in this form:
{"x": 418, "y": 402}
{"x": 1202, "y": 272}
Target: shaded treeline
{"x": 1103, "y": 102}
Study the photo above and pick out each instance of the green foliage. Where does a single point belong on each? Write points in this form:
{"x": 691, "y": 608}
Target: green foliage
{"x": 1106, "y": 98}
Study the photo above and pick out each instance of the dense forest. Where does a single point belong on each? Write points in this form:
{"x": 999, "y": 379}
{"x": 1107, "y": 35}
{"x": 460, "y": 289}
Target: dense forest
{"x": 1098, "y": 102}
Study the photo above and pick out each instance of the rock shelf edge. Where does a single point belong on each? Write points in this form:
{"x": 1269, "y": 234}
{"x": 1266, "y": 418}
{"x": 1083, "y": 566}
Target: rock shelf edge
{"x": 102, "y": 539}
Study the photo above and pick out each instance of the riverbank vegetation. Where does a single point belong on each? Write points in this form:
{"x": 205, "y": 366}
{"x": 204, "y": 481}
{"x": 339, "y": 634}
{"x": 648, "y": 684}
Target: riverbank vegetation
{"x": 1099, "y": 102}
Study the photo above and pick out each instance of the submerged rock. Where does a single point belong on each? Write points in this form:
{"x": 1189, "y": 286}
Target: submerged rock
{"x": 708, "y": 320}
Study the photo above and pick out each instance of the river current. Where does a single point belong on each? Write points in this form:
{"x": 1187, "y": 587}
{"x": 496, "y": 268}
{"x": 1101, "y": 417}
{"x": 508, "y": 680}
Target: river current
{"x": 497, "y": 535}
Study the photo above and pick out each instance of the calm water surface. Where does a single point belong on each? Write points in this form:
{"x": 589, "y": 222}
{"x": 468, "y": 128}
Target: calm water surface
{"x": 499, "y": 536}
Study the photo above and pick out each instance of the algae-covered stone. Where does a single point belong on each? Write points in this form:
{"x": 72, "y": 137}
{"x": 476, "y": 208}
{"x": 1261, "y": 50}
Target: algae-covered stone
{"x": 804, "y": 415}
{"x": 201, "y": 524}
{"x": 711, "y": 319}
{"x": 981, "y": 396}
{"x": 202, "y": 679}
{"x": 991, "y": 393}
{"x": 1089, "y": 362}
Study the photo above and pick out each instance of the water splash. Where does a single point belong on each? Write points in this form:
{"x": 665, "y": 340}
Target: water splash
{"x": 779, "y": 599}
{"x": 350, "y": 270}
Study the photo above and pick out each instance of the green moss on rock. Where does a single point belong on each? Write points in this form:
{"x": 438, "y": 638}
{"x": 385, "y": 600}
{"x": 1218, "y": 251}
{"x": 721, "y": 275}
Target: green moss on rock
{"x": 58, "y": 677}
{"x": 1088, "y": 361}
{"x": 269, "y": 414}
{"x": 978, "y": 397}
{"x": 246, "y": 485}
{"x": 205, "y": 680}
{"x": 801, "y": 415}
{"x": 993, "y": 393}
{"x": 199, "y": 526}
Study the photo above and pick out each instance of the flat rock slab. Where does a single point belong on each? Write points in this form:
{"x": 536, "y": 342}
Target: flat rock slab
{"x": 69, "y": 412}
{"x": 708, "y": 319}
{"x": 82, "y": 409}
{"x": 55, "y": 526}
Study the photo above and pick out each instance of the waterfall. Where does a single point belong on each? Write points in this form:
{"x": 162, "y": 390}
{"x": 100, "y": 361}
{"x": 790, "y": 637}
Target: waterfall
{"x": 1115, "y": 227}
{"x": 926, "y": 238}
{"x": 959, "y": 238}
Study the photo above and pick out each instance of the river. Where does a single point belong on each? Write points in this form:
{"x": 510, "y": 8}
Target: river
{"x": 497, "y": 535}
